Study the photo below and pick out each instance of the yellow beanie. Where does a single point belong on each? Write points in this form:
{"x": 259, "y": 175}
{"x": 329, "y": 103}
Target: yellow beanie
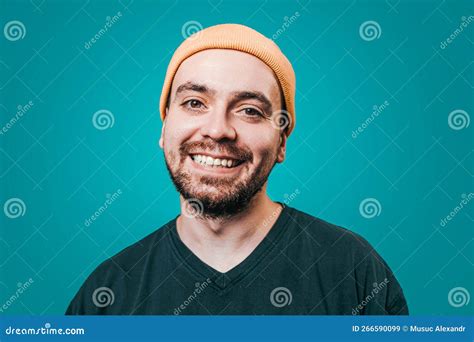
{"x": 240, "y": 38}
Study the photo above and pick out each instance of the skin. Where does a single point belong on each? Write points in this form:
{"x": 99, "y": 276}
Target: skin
{"x": 206, "y": 116}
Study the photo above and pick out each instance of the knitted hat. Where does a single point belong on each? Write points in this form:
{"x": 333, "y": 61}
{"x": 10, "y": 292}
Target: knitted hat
{"x": 240, "y": 38}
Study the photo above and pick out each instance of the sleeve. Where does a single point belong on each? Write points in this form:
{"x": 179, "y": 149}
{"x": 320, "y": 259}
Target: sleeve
{"x": 82, "y": 303}
{"x": 379, "y": 291}
{"x": 76, "y": 306}
{"x": 399, "y": 306}
{"x": 94, "y": 291}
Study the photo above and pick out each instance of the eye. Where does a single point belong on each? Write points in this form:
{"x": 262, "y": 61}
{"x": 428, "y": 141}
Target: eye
{"x": 193, "y": 104}
{"x": 252, "y": 112}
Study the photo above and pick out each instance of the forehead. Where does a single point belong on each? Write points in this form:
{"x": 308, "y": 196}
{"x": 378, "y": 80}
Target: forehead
{"x": 227, "y": 71}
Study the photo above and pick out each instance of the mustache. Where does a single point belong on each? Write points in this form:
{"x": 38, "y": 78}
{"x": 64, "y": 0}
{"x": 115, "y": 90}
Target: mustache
{"x": 226, "y": 147}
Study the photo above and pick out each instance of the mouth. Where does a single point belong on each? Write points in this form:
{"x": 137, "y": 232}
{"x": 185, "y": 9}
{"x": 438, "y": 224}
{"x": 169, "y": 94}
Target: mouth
{"x": 214, "y": 162}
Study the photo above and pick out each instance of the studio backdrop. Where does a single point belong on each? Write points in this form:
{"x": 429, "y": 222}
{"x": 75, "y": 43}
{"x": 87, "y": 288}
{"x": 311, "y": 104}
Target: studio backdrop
{"x": 383, "y": 143}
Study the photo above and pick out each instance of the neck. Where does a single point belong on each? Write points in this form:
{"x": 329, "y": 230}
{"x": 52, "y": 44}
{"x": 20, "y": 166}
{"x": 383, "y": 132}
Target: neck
{"x": 222, "y": 244}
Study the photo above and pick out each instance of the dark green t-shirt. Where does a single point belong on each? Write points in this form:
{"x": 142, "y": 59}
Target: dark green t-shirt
{"x": 304, "y": 266}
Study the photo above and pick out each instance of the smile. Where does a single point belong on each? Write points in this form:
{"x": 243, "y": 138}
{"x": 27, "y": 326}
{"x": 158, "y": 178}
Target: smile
{"x": 215, "y": 162}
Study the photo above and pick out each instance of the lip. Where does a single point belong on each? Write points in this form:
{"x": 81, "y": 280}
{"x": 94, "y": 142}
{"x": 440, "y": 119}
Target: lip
{"x": 214, "y": 170}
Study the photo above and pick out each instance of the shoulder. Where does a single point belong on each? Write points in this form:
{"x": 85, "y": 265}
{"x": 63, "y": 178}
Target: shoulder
{"x": 344, "y": 254}
{"x": 137, "y": 253}
{"x": 116, "y": 274}
{"x": 328, "y": 235}
{"x": 336, "y": 246}
{"x": 129, "y": 262}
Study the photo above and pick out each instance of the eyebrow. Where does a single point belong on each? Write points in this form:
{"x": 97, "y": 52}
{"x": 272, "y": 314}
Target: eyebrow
{"x": 200, "y": 88}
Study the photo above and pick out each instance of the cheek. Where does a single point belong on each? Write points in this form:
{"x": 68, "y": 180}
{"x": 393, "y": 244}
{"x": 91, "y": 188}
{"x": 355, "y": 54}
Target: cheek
{"x": 263, "y": 144}
{"x": 172, "y": 139}
{"x": 177, "y": 131}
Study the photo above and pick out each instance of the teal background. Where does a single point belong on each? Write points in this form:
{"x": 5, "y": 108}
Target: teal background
{"x": 408, "y": 158}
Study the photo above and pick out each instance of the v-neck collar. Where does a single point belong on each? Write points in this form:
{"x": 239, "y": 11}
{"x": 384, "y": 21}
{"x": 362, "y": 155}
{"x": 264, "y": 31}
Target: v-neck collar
{"x": 225, "y": 280}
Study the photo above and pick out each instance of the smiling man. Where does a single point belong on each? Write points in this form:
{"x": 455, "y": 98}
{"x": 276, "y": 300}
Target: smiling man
{"x": 227, "y": 106}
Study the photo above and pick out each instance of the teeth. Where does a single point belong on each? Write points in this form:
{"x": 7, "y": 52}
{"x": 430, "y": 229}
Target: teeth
{"x": 206, "y": 160}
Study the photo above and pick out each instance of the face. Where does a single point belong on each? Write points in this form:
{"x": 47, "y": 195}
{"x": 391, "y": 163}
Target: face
{"x": 219, "y": 140}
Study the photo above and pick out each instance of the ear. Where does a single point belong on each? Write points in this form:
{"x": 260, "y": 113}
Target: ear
{"x": 160, "y": 142}
{"x": 282, "y": 148}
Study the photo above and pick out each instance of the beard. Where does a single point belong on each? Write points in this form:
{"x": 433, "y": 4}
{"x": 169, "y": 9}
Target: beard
{"x": 218, "y": 197}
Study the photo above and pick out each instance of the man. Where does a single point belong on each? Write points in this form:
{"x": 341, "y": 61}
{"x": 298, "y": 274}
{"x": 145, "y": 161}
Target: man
{"x": 227, "y": 106}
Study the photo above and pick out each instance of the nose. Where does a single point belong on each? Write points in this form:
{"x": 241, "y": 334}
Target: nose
{"x": 218, "y": 126}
